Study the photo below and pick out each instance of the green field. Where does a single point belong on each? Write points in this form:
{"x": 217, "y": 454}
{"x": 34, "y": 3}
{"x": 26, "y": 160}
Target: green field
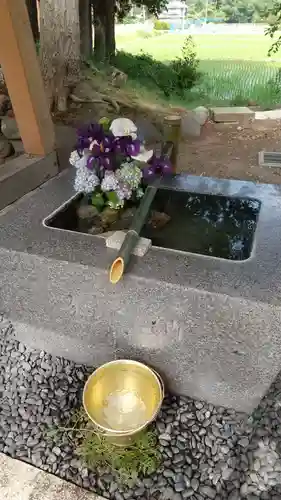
{"x": 236, "y": 68}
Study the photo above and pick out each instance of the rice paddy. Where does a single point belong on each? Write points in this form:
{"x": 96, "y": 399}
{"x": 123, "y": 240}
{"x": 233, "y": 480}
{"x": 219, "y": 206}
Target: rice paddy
{"x": 236, "y": 69}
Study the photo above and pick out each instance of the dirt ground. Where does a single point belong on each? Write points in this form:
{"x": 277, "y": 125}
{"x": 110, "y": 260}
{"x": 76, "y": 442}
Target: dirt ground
{"x": 228, "y": 152}
{"x": 223, "y": 150}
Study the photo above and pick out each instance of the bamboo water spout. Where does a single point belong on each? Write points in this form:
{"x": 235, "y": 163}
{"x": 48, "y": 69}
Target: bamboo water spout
{"x": 170, "y": 150}
{"x": 120, "y": 263}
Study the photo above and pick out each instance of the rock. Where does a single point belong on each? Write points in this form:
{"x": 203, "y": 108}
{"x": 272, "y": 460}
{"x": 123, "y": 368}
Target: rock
{"x": 109, "y": 216}
{"x": 201, "y": 114}
{"x": 190, "y": 126}
{"x": 235, "y": 495}
{"x": 125, "y": 220}
{"x": 118, "y": 78}
{"x": 39, "y": 391}
{"x": 208, "y": 491}
{"x": 158, "y": 219}
{"x": 10, "y": 129}
{"x": 57, "y": 451}
{"x": 5, "y": 104}
{"x": 6, "y": 148}
{"x": 88, "y": 216}
{"x": 165, "y": 437}
{"x": 244, "y": 489}
{"x": 95, "y": 230}
{"x": 244, "y": 442}
{"x": 179, "y": 487}
{"x": 194, "y": 484}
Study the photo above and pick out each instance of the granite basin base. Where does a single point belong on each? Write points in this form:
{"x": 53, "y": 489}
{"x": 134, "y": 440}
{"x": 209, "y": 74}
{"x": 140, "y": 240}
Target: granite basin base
{"x": 208, "y": 325}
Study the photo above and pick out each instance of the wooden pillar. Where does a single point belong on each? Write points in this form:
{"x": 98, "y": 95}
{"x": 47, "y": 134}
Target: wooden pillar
{"x": 21, "y": 69}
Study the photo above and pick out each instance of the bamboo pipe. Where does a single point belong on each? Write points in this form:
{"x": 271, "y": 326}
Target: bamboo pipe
{"x": 119, "y": 265}
{"x": 169, "y": 150}
{"x": 172, "y": 133}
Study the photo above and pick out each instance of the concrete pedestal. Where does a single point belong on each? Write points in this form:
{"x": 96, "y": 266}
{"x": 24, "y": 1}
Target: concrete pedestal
{"x": 210, "y": 326}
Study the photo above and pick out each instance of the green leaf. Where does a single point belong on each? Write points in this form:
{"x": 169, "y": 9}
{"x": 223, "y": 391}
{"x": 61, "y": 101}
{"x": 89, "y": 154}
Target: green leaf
{"x": 105, "y": 122}
{"x": 112, "y": 198}
{"x": 98, "y": 201}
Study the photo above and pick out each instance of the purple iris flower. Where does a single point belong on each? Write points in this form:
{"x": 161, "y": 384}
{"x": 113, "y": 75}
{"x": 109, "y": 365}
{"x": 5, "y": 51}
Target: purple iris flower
{"x": 102, "y": 152}
{"x": 157, "y": 166}
{"x": 87, "y": 133}
{"x": 100, "y": 164}
{"x": 102, "y": 145}
{"x": 127, "y": 145}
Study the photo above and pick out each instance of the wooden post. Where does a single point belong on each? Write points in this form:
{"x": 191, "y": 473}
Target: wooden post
{"x": 21, "y": 69}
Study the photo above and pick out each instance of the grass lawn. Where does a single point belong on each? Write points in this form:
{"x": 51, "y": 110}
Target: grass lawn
{"x": 236, "y": 68}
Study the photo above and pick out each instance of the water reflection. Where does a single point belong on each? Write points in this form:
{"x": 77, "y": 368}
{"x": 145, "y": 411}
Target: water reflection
{"x": 207, "y": 224}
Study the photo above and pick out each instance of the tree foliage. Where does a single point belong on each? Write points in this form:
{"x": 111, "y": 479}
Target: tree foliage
{"x": 231, "y": 11}
{"x": 153, "y": 7}
{"x": 274, "y": 27}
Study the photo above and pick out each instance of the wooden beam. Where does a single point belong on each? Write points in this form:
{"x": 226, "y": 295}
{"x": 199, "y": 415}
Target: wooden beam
{"x": 21, "y": 69}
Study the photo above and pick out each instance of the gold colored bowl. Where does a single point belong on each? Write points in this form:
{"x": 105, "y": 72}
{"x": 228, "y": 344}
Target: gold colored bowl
{"x": 122, "y": 397}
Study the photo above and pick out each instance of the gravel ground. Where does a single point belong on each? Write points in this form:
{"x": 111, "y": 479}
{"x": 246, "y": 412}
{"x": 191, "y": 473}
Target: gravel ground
{"x": 208, "y": 452}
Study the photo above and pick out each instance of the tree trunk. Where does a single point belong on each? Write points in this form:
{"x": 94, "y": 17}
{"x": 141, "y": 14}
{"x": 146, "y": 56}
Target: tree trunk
{"x": 99, "y": 30}
{"x": 59, "y": 49}
{"x": 110, "y": 30}
{"x": 86, "y": 28}
{"x": 33, "y": 17}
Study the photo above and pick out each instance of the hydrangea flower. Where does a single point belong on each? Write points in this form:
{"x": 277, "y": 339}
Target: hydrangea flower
{"x": 139, "y": 193}
{"x": 74, "y": 158}
{"x": 109, "y": 182}
{"x": 130, "y": 174}
{"x": 85, "y": 180}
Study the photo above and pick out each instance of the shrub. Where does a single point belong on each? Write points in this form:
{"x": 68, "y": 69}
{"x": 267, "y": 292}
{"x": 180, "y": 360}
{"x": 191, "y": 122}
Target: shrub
{"x": 186, "y": 67}
{"x": 161, "y": 25}
{"x": 129, "y": 20}
{"x": 171, "y": 78}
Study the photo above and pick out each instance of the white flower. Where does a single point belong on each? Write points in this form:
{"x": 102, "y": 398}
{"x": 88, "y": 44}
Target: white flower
{"x": 123, "y": 127}
{"x": 124, "y": 192}
{"x": 144, "y": 155}
{"x": 74, "y": 158}
{"x": 109, "y": 182}
{"x": 130, "y": 174}
{"x": 85, "y": 180}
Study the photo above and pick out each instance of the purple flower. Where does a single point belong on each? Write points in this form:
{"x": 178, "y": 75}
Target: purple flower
{"x": 157, "y": 166}
{"x": 100, "y": 162}
{"x": 87, "y": 133}
{"x": 102, "y": 152}
{"x": 127, "y": 146}
{"x": 102, "y": 145}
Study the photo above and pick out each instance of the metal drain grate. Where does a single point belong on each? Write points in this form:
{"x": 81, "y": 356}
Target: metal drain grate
{"x": 270, "y": 159}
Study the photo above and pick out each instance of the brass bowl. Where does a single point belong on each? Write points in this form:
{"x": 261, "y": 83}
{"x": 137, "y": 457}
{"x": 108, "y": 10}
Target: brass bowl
{"x": 122, "y": 397}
